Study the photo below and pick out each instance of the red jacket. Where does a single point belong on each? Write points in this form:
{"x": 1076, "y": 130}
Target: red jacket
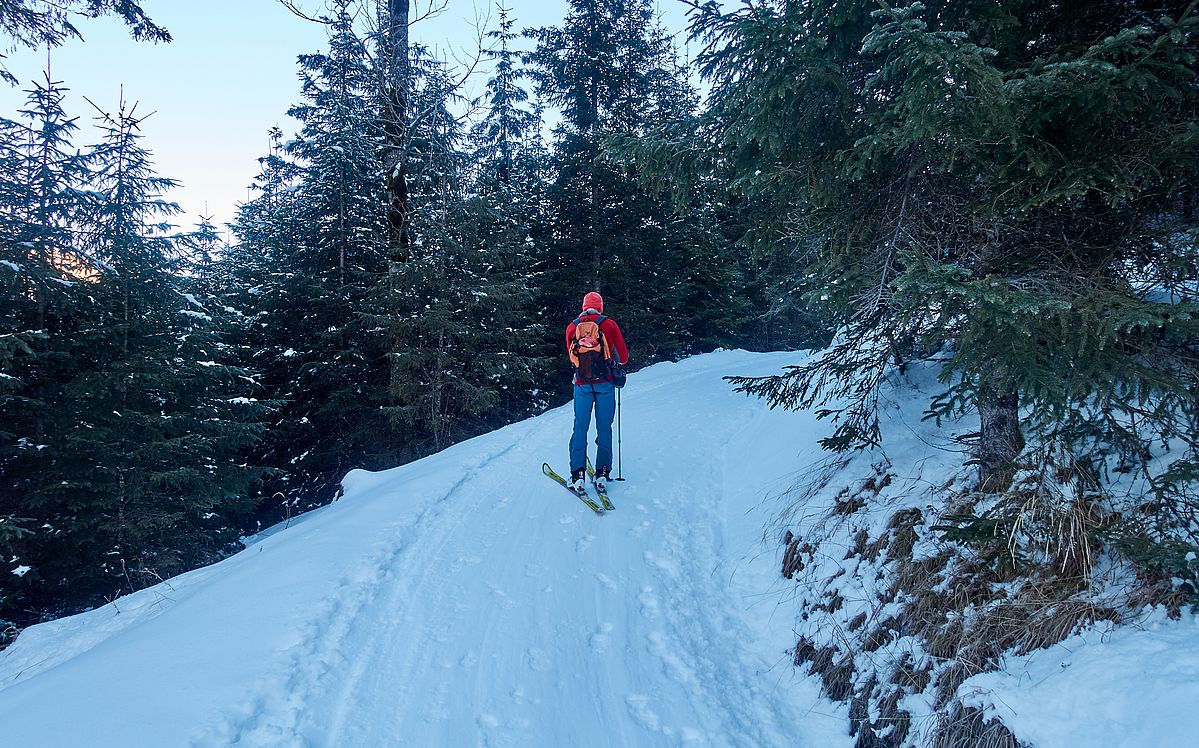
{"x": 611, "y": 332}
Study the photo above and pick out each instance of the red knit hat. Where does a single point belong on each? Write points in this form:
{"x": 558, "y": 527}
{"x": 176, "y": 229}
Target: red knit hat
{"x": 593, "y": 301}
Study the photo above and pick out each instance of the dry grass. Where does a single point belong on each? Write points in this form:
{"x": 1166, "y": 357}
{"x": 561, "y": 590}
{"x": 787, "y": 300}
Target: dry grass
{"x": 959, "y": 613}
{"x": 793, "y": 556}
{"x": 909, "y": 676}
{"x": 836, "y": 673}
{"x": 1062, "y": 529}
{"x": 887, "y": 631}
{"x": 964, "y": 727}
{"x": 1156, "y": 588}
{"x": 850, "y": 500}
{"x": 889, "y": 728}
{"x": 903, "y": 533}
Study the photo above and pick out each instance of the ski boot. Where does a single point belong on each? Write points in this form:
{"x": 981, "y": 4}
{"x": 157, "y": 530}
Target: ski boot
{"x": 578, "y": 481}
{"x": 601, "y": 478}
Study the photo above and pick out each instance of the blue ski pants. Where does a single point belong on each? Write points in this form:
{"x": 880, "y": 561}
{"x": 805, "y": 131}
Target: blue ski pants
{"x": 601, "y": 397}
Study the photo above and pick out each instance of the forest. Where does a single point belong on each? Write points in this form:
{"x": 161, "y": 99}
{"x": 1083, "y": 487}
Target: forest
{"x": 166, "y": 392}
{"x": 1008, "y": 189}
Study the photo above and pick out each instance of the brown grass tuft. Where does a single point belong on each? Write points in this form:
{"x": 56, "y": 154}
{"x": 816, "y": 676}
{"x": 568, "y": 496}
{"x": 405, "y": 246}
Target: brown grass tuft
{"x": 965, "y": 726}
{"x": 836, "y": 674}
{"x": 903, "y": 533}
{"x": 953, "y": 609}
{"x": 793, "y": 556}
{"x": 909, "y": 676}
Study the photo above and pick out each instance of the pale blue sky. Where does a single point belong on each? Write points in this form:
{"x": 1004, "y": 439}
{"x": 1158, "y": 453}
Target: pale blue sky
{"x": 228, "y": 76}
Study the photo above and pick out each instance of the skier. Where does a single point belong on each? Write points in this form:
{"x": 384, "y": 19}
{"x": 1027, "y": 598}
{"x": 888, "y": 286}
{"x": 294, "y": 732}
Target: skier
{"x": 597, "y": 349}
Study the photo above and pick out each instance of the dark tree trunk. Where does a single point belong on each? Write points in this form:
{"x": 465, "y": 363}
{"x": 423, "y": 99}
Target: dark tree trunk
{"x": 396, "y": 85}
{"x": 395, "y": 150}
{"x": 1000, "y": 438}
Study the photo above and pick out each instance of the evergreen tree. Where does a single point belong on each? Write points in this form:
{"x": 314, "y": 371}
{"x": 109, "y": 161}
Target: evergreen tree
{"x": 147, "y": 480}
{"x": 507, "y": 215}
{"x": 42, "y": 204}
{"x": 123, "y": 451}
{"x": 462, "y": 319}
{"x": 42, "y": 273}
{"x": 310, "y": 259}
{"x": 31, "y": 23}
{"x": 216, "y": 332}
{"x": 507, "y": 141}
{"x": 613, "y": 71}
{"x": 1001, "y": 184}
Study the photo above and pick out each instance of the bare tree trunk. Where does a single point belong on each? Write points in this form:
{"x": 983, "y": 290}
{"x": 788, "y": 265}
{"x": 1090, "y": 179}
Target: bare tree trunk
{"x": 396, "y": 87}
{"x": 1000, "y": 438}
{"x": 394, "y": 18}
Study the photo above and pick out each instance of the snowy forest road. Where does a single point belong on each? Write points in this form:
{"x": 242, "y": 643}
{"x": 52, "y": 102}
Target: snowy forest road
{"x": 465, "y": 600}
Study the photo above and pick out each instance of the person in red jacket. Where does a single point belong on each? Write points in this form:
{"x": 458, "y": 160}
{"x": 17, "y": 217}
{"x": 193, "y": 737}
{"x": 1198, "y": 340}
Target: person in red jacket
{"x": 595, "y": 346}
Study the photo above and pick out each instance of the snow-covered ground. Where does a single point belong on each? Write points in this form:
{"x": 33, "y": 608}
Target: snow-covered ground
{"x": 1134, "y": 686}
{"x": 466, "y": 600}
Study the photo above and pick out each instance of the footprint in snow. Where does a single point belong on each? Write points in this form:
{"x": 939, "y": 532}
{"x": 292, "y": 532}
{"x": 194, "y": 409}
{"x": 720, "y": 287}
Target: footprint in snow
{"x": 538, "y": 660}
{"x": 463, "y": 561}
{"x": 600, "y": 639}
{"x": 641, "y": 528}
{"x": 505, "y": 601}
{"x": 640, "y": 711}
{"x": 436, "y": 710}
{"x": 649, "y": 602}
{"x": 488, "y": 721}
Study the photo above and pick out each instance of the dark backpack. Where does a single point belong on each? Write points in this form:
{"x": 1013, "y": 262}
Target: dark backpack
{"x": 589, "y": 352}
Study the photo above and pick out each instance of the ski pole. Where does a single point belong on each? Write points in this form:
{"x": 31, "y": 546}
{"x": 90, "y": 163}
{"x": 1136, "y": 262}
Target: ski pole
{"x": 619, "y": 442}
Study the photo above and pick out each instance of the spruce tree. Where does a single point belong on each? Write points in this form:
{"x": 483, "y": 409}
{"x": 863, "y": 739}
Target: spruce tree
{"x": 432, "y": 390}
{"x": 148, "y": 478}
{"x": 507, "y": 215}
{"x": 612, "y": 71}
{"x": 310, "y": 258}
{"x": 1002, "y": 185}
{"x": 122, "y": 458}
{"x": 506, "y": 143}
{"x": 31, "y": 23}
{"x": 44, "y": 276}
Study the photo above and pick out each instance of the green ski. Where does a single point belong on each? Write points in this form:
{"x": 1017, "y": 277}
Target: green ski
{"x": 603, "y": 493}
{"x": 583, "y": 497}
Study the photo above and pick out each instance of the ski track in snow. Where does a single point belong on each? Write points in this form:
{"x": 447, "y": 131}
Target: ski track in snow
{"x": 470, "y": 601}
{"x": 371, "y": 589}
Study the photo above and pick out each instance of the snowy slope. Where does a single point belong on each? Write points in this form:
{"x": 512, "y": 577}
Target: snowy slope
{"x": 466, "y": 600}
{"x": 1132, "y": 686}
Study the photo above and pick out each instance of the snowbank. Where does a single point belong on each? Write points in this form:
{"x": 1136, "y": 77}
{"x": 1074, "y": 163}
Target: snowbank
{"x": 1118, "y": 687}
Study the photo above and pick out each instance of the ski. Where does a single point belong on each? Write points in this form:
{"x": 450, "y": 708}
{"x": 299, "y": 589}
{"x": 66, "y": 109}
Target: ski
{"x": 583, "y": 497}
{"x": 603, "y": 493}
